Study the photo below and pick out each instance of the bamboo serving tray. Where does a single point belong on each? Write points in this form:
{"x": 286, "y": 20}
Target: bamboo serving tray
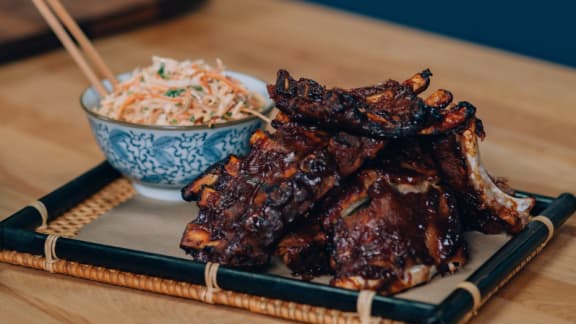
{"x": 42, "y": 236}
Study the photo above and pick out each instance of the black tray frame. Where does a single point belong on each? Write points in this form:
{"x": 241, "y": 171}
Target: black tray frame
{"x": 17, "y": 234}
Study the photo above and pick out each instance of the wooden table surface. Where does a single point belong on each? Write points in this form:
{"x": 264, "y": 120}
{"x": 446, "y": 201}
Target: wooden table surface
{"x": 528, "y": 107}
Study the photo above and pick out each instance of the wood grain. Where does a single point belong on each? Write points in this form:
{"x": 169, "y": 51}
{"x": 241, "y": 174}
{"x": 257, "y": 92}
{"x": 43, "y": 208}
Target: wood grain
{"x": 528, "y": 107}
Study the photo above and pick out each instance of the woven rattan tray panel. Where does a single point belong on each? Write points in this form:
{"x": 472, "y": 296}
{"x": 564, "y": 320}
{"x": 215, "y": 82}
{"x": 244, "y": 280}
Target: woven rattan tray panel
{"x": 69, "y": 223}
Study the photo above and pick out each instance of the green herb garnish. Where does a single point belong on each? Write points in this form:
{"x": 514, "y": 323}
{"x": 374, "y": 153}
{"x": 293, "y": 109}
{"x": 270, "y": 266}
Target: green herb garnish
{"x": 192, "y": 118}
{"x": 174, "y": 122}
{"x": 174, "y": 92}
{"x": 161, "y": 71}
{"x": 198, "y": 88}
{"x": 229, "y": 114}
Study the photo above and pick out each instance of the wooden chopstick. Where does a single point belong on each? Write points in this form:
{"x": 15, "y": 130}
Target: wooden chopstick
{"x": 70, "y": 46}
{"x": 84, "y": 42}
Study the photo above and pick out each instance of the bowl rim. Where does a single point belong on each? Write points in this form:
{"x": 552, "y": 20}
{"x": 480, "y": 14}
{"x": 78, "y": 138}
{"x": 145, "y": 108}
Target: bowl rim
{"x": 95, "y": 115}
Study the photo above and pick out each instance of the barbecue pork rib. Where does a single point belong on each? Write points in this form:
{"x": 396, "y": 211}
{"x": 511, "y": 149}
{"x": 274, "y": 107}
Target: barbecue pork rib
{"x": 487, "y": 204}
{"x": 394, "y": 226}
{"x": 305, "y": 249}
{"x": 387, "y": 110}
{"x": 245, "y": 204}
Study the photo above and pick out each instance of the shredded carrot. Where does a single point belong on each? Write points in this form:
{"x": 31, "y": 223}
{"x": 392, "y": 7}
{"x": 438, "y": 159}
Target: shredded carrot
{"x": 224, "y": 79}
{"x": 154, "y": 115}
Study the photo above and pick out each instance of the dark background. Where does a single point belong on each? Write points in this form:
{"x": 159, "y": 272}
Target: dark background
{"x": 541, "y": 29}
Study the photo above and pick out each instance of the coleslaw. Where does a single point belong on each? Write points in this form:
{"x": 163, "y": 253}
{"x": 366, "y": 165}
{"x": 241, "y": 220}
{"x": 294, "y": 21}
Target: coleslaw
{"x": 181, "y": 93}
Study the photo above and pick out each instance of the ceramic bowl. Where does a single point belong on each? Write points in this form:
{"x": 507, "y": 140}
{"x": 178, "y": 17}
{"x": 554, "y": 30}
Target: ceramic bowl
{"x": 160, "y": 160}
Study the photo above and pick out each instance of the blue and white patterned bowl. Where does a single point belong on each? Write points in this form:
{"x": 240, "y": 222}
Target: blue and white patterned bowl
{"x": 160, "y": 160}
